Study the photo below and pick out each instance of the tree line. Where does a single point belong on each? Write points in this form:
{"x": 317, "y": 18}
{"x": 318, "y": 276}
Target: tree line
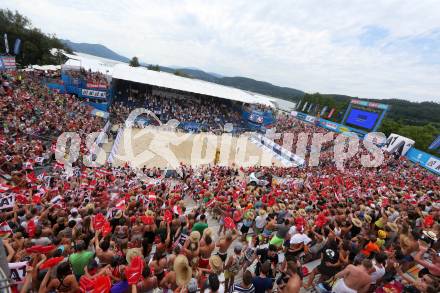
{"x": 35, "y": 45}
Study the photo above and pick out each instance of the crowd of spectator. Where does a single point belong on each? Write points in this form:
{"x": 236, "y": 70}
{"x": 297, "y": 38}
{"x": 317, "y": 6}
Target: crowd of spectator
{"x": 208, "y": 113}
{"x": 110, "y": 230}
{"x": 90, "y": 78}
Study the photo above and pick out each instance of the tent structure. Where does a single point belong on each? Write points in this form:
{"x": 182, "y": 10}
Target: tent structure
{"x": 123, "y": 71}
{"x": 171, "y": 81}
{"x": 46, "y": 67}
{"x": 89, "y": 62}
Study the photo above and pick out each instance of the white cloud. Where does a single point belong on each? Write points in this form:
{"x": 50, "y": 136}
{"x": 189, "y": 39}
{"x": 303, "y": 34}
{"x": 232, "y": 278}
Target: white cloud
{"x": 310, "y": 45}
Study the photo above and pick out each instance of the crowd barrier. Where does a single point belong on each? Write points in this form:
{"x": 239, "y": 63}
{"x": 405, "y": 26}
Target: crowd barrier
{"x": 115, "y": 146}
{"x": 427, "y": 161}
{"x": 285, "y": 156}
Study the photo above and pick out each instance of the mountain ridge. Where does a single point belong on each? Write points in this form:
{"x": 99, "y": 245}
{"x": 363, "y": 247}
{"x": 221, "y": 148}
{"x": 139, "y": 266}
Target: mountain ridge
{"x": 96, "y": 50}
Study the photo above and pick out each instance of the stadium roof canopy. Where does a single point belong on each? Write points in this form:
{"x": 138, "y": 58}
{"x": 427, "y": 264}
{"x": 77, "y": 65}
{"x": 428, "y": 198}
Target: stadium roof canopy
{"x": 90, "y": 62}
{"x": 123, "y": 71}
{"x": 171, "y": 81}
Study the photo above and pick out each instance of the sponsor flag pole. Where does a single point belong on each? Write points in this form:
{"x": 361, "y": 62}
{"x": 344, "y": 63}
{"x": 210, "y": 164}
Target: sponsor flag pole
{"x": 6, "y": 43}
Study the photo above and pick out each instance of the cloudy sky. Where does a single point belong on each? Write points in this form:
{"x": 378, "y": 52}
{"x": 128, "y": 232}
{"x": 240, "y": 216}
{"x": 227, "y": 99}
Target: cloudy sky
{"x": 370, "y": 49}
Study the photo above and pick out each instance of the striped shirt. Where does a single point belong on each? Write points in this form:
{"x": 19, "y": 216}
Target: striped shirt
{"x": 237, "y": 288}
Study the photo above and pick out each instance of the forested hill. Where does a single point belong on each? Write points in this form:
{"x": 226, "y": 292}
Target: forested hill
{"x": 35, "y": 44}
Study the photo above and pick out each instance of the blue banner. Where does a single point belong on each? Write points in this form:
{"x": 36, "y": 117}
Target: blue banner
{"x": 435, "y": 144}
{"x": 425, "y": 160}
{"x": 17, "y": 46}
{"x": 60, "y": 88}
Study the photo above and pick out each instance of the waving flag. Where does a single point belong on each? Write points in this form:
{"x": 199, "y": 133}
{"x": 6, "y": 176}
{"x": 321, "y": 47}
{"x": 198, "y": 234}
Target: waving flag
{"x": 31, "y": 178}
{"x": 17, "y": 46}
{"x": 5, "y": 230}
{"x": 6, "y": 43}
{"x": 4, "y": 187}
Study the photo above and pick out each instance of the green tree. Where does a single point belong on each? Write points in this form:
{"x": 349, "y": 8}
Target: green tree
{"x": 35, "y": 45}
{"x": 182, "y": 74}
{"x": 153, "y": 67}
{"x": 134, "y": 62}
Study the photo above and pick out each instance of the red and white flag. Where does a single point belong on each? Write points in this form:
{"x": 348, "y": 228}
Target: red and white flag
{"x": 39, "y": 160}
{"x": 121, "y": 204}
{"x": 4, "y": 187}
{"x": 31, "y": 178}
{"x": 59, "y": 165}
{"x": 152, "y": 196}
{"x": 177, "y": 210}
{"x": 56, "y": 200}
{"x": 5, "y": 230}
{"x": 29, "y": 165}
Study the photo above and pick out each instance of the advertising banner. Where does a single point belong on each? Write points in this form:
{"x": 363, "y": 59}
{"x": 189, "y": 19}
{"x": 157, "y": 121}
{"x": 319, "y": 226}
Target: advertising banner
{"x": 425, "y": 160}
{"x": 310, "y": 119}
{"x": 398, "y": 144}
{"x": 301, "y": 116}
{"x": 7, "y": 62}
{"x": 93, "y": 94}
{"x": 7, "y": 202}
{"x": 96, "y": 85}
{"x": 329, "y": 125}
{"x": 18, "y": 271}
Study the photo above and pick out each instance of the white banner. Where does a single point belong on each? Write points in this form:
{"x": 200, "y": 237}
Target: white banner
{"x": 433, "y": 163}
{"x": 397, "y": 143}
{"x": 18, "y": 271}
{"x": 310, "y": 119}
{"x": 7, "y": 202}
{"x": 92, "y": 93}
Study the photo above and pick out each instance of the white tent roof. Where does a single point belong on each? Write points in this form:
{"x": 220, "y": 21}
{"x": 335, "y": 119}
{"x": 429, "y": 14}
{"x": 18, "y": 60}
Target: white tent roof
{"x": 284, "y": 104}
{"x": 171, "y": 81}
{"x": 89, "y": 62}
{"x": 46, "y": 67}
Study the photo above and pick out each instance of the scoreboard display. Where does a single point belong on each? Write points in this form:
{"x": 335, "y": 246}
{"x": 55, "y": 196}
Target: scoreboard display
{"x": 364, "y": 116}
{"x": 361, "y": 118}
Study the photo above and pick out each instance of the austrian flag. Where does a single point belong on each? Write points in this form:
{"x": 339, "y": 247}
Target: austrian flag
{"x": 5, "y": 230}
{"x": 4, "y": 187}
{"x": 152, "y": 196}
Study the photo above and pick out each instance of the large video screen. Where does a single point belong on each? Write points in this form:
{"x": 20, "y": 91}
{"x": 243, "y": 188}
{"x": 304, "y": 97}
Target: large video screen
{"x": 361, "y": 118}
